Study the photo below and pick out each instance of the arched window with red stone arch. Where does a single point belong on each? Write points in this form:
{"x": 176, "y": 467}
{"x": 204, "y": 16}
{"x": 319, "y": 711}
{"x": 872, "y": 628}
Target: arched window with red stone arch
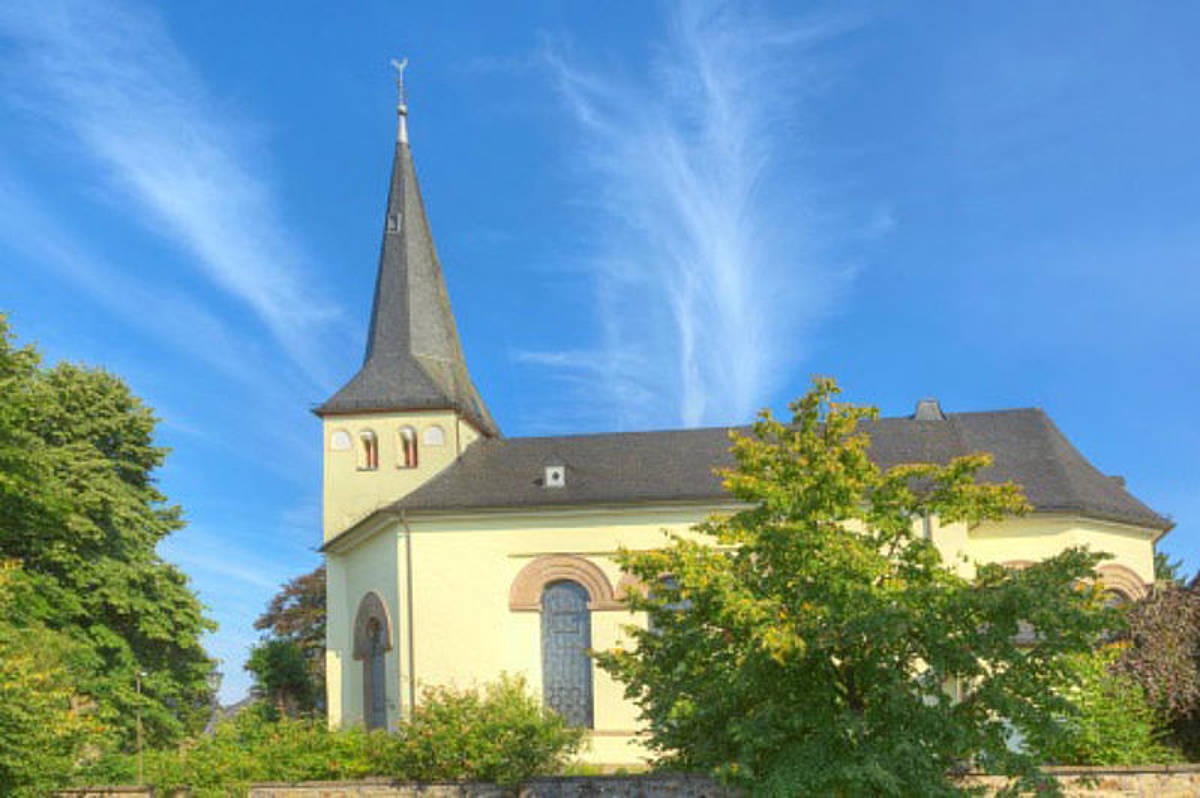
{"x": 565, "y": 589}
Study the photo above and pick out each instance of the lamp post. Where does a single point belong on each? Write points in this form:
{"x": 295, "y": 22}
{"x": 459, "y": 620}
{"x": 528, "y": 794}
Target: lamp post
{"x": 138, "y": 682}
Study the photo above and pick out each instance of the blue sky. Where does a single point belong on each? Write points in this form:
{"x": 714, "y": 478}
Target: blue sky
{"x": 649, "y": 215}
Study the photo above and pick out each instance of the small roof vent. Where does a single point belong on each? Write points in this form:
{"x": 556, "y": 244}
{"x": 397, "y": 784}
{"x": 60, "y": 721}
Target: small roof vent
{"x": 929, "y": 410}
{"x": 556, "y": 476}
{"x": 554, "y": 472}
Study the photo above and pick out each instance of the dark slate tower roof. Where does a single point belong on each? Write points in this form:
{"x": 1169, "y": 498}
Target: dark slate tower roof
{"x": 414, "y": 360}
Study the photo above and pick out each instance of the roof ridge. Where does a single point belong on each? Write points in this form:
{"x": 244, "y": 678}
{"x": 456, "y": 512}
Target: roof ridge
{"x": 747, "y": 425}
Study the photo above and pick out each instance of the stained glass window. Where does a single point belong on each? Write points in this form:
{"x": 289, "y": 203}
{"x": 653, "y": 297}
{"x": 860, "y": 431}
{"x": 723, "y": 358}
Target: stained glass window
{"x": 566, "y": 639}
{"x": 375, "y": 677}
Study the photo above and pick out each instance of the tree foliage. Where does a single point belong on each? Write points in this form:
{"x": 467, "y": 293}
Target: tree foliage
{"x": 1164, "y": 634}
{"x": 45, "y": 723}
{"x": 823, "y": 634}
{"x": 1163, "y": 656}
{"x": 297, "y": 614}
{"x": 79, "y": 509}
{"x": 1167, "y": 571}
{"x": 282, "y": 678}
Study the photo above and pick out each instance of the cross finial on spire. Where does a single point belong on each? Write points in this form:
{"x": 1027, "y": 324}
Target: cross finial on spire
{"x": 402, "y": 108}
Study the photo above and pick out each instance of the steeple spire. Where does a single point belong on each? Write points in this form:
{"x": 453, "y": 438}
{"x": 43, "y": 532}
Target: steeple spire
{"x": 414, "y": 360}
{"x": 402, "y": 105}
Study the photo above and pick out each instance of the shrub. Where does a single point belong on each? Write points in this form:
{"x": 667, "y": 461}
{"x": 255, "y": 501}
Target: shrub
{"x": 1115, "y": 723}
{"x": 499, "y": 734}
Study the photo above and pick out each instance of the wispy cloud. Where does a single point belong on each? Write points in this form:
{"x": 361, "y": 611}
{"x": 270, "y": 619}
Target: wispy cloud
{"x": 111, "y": 76}
{"x": 708, "y": 279}
{"x": 28, "y": 228}
{"x": 172, "y": 319}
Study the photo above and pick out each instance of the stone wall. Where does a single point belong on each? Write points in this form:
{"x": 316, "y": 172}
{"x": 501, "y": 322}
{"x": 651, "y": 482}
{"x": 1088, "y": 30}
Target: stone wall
{"x": 1169, "y": 781}
{"x": 562, "y": 787}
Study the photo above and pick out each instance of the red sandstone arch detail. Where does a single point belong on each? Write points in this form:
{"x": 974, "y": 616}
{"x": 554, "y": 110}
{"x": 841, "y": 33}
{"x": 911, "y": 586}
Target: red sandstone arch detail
{"x": 371, "y": 606}
{"x": 1112, "y": 576}
{"x": 525, "y": 595}
{"x": 1123, "y": 580}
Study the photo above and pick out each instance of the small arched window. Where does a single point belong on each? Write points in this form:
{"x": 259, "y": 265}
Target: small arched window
{"x": 368, "y": 451}
{"x": 434, "y": 436}
{"x": 408, "y": 448}
{"x": 375, "y": 677}
{"x": 372, "y": 640}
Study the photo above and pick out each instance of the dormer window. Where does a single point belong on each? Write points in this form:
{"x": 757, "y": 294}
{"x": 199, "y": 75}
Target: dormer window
{"x": 556, "y": 476}
{"x": 408, "y": 448}
{"x": 368, "y": 451}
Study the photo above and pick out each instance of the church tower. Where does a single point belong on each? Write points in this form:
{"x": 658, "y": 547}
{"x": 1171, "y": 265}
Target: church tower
{"x": 412, "y": 408}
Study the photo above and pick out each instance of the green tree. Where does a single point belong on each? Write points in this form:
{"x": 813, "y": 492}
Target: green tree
{"x": 282, "y": 678}
{"x": 79, "y": 509}
{"x": 45, "y": 722}
{"x": 297, "y": 614}
{"x": 811, "y": 643}
{"x": 1167, "y": 571}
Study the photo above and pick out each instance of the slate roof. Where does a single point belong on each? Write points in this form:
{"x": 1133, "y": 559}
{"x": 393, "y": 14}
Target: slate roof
{"x": 414, "y": 360}
{"x": 677, "y": 466}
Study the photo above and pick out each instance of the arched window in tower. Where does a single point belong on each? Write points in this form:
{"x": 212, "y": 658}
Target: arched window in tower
{"x": 375, "y": 677}
{"x": 408, "y": 448}
{"x": 368, "y": 459}
{"x": 566, "y": 639}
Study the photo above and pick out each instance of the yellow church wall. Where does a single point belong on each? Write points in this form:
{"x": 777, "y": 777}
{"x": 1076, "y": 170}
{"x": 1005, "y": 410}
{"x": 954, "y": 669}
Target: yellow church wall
{"x": 370, "y": 566}
{"x": 353, "y": 491}
{"x": 464, "y": 630}
{"x": 1039, "y": 536}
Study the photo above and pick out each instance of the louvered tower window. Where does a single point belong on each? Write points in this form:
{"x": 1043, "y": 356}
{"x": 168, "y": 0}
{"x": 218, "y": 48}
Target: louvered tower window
{"x": 369, "y": 451}
{"x": 408, "y": 448}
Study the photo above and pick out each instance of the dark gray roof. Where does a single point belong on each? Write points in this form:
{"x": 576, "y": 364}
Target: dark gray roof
{"x": 414, "y": 360}
{"x": 677, "y": 465}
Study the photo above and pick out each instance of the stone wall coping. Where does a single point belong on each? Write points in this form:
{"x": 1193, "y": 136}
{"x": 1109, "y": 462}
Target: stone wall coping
{"x": 1105, "y": 770}
{"x": 386, "y": 781}
{"x": 680, "y": 784}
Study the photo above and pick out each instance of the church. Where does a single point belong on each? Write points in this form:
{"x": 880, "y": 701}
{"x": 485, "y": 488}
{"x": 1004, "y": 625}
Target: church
{"x": 455, "y": 553}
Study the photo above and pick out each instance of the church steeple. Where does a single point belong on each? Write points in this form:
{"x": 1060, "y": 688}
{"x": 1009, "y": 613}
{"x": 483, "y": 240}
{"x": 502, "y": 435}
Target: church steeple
{"x": 414, "y": 360}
